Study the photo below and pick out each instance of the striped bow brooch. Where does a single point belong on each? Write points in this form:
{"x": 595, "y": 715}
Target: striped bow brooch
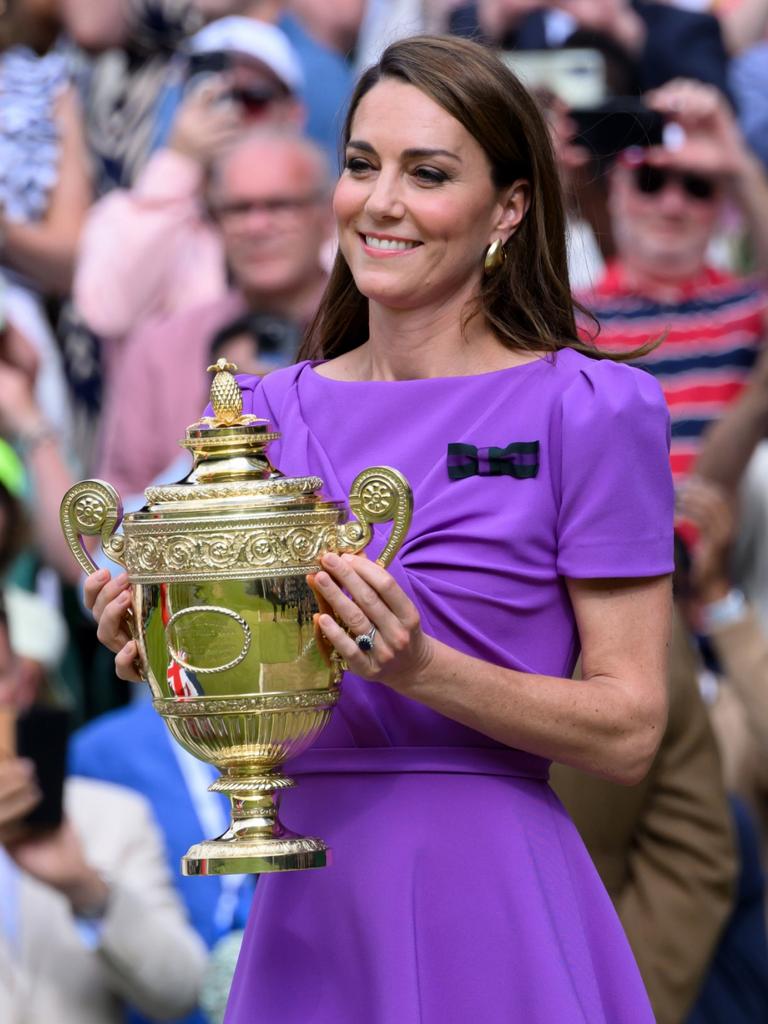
{"x": 519, "y": 460}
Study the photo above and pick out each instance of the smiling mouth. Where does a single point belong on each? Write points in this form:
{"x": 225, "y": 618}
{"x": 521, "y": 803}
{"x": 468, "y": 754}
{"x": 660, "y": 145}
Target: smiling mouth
{"x": 389, "y": 244}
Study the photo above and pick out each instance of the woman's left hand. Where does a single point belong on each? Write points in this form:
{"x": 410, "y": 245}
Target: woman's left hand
{"x": 364, "y": 596}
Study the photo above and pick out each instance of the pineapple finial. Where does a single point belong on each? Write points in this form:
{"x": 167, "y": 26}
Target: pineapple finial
{"x": 226, "y": 399}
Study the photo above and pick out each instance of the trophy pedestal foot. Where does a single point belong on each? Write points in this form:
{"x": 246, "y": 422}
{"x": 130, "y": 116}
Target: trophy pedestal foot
{"x": 235, "y": 856}
{"x": 256, "y": 842}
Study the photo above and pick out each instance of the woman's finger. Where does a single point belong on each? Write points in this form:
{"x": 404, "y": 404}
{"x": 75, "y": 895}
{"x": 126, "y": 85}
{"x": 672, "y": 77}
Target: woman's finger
{"x": 323, "y": 643}
{"x": 93, "y": 586}
{"x": 342, "y": 606}
{"x": 113, "y": 629}
{"x": 125, "y": 663}
{"x": 108, "y": 592}
{"x": 357, "y": 661}
{"x": 364, "y": 596}
{"x": 388, "y": 589}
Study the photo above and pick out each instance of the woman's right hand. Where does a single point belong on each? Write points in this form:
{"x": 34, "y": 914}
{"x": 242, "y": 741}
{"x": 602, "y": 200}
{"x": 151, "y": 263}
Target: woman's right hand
{"x": 110, "y": 600}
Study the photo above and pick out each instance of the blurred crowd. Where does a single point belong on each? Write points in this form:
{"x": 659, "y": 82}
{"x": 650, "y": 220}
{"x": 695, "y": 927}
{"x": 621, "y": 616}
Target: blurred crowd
{"x": 166, "y": 171}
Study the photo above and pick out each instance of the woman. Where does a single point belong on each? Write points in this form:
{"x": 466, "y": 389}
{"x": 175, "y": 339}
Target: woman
{"x": 460, "y": 891}
{"x": 45, "y": 187}
{"x": 44, "y": 178}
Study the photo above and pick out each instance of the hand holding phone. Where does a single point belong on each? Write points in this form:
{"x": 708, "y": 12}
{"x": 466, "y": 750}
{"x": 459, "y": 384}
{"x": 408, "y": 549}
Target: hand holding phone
{"x": 19, "y": 795}
{"x": 208, "y": 120}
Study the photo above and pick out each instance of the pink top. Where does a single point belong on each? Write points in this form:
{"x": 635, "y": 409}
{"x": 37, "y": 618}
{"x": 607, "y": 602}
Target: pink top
{"x": 157, "y": 389}
{"x": 149, "y": 251}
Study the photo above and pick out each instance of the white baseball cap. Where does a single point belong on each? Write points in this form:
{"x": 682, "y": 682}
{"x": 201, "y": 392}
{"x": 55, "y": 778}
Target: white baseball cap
{"x": 252, "y": 38}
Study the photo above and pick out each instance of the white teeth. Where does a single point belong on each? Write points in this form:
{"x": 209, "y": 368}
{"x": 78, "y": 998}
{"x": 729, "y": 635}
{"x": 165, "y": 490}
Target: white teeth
{"x": 388, "y": 243}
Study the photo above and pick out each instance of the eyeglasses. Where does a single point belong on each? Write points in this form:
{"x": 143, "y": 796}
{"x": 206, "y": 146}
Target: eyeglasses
{"x": 279, "y": 206}
{"x": 652, "y": 180}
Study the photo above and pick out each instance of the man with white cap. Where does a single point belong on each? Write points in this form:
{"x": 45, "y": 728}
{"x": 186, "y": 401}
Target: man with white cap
{"x": 151, "y": 250}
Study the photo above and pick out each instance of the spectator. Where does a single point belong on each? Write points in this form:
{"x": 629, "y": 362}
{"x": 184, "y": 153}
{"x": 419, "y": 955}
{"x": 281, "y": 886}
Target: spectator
{"x": 665, "y": 206}
{"x": 666, "y": 42}
{"x": 734, "y": 456}
{"x": 28, "y": 423}
{"x": 88, "y": 918}
{"x": 749, "y": 83}
{"x": 171, "y": 255}
{"x": 319, "y": 64}
{"x": 269, "y": 196}
{"x": 129, "y": 45}
{"x": 733, "y": 672}
{"x": 735, "y": 679}
{"x": 664, "y": 848}
{"x": 176, "y": 786}
{"x": 44, "y": 181}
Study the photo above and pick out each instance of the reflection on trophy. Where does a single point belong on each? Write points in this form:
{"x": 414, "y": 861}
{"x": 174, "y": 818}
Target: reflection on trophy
{"x": 222, "y": 613}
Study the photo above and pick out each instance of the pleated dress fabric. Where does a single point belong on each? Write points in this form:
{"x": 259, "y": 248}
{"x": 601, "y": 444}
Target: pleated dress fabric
{"x": 460, "y": 892}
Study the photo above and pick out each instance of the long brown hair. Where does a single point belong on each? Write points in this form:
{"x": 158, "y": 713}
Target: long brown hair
{"x": 527, "y": 303}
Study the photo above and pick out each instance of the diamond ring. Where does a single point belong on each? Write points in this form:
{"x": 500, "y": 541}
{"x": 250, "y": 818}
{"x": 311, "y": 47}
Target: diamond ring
{"x": 365, "y": 640}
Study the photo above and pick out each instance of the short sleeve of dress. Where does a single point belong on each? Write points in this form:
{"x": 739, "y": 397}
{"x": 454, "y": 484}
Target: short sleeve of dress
{"x": 617, "y": 501}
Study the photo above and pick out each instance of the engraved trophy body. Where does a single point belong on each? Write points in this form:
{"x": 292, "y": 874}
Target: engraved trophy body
{"x": 222, "y": 613}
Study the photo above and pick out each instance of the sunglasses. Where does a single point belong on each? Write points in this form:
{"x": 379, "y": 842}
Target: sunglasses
{"x": 256, "y": 99}
{"x": 652, "y": 180}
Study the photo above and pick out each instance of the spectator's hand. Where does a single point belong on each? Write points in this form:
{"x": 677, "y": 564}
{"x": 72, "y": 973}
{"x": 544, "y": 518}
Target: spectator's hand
{"x": 614, "y": 18}
{"x": 497, "y": 17}
{"x": 562, "y": 129}
{"x": 708, "y": 507}
{"x": 713, "y": 144}
{"x": 206, "y": 122}
{"x": 109, "y": 600}
{"x": 57, "y": 859}
{"x": 19, "y": 794}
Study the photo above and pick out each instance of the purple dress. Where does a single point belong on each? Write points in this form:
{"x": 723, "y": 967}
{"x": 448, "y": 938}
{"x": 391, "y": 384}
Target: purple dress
{"x": 460, "y": 892}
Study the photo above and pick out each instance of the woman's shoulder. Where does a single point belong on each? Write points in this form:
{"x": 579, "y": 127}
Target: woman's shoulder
{"x": 604, "y": 383}
{"x": 269, "y": 389}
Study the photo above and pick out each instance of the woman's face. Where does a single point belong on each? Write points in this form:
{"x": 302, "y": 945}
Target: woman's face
{"x": 415, "y": 204}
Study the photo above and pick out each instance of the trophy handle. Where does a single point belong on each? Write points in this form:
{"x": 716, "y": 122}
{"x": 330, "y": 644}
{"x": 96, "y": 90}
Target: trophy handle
{"x": 378, "y": 495}
{"x": 92, "y": 508}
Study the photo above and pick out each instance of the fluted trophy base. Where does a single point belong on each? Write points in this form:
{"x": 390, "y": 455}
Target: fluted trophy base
{"x": 257, "y": 841}
{"x": 240, "y": 857}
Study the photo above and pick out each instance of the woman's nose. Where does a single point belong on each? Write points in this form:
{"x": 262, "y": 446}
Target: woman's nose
{"x": 385, "y": 200}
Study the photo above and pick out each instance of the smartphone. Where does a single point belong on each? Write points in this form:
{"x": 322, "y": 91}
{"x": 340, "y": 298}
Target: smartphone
{"x": 201, "y": 66}
{"x": 42, "y": 735}
{"x": 617, "y": 124}
{"x": 576, "y": 76}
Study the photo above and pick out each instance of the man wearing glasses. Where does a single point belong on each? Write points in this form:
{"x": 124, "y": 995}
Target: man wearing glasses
{"x": 666, "y": 206}
{"x": 269, "y": 197}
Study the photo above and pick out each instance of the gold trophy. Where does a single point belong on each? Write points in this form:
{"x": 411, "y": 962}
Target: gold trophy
{"x": 222, "y": 613}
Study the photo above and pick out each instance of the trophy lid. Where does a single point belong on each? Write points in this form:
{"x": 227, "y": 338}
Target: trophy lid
{"x": 229, "y": 450}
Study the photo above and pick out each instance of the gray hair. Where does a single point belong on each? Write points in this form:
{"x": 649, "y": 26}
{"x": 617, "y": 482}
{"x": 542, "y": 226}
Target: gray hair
{"x": 255, "y": 138}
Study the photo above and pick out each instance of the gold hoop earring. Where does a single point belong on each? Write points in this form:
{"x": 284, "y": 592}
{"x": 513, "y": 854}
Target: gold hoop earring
{"x": 495, "y": 257}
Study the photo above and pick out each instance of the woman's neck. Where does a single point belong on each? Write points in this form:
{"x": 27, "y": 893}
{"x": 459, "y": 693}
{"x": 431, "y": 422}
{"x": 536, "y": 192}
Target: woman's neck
{"x": 430, "y": 342}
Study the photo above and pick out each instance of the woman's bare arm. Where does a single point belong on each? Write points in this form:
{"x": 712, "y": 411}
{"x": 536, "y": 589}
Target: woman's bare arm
{"x": 45, "y": 251}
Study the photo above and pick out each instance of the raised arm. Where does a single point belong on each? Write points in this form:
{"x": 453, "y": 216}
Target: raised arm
{"x": 161, "y": 225}
{"x": 97, "y": 27}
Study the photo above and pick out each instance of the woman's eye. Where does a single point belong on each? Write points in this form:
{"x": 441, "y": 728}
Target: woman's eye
{"x": 430, "y": 175}
{"x": 357, "y": 165}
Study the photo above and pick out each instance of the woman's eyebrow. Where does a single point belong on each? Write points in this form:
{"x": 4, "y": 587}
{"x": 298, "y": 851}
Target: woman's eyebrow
{"x": 421, "y": 154}
{"x": 409, "y": 154}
